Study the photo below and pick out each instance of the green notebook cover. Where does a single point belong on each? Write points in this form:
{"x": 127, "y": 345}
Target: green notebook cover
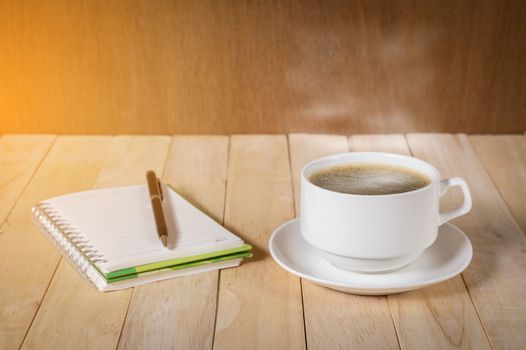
{"x": 179, "y": 263}
{"x": 135, "y": 274}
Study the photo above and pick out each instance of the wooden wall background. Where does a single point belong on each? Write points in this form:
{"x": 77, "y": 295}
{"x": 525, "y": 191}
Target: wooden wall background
{"x": 167, "y": 66}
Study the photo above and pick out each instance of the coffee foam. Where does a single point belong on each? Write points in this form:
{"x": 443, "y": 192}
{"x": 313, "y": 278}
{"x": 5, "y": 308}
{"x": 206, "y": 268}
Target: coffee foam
{"x": 369, "y": 179}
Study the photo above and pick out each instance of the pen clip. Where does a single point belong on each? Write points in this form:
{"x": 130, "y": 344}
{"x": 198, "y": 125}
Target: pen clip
{"x": 160, "y": 187}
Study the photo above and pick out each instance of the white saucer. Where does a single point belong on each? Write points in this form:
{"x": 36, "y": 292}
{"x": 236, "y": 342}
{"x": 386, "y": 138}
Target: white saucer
{"x": 447, "y": 257}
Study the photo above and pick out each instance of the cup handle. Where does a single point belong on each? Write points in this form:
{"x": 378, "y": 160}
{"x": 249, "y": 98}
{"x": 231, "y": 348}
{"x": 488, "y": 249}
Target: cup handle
{"x": 445, "y": 185}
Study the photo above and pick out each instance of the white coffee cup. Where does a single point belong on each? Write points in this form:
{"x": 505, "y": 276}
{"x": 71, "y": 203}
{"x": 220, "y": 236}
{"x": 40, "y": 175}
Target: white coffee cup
{"x": 374, "y": 233}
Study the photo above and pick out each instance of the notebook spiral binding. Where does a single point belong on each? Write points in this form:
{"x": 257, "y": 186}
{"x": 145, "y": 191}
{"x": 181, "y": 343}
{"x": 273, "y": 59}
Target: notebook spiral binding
{"x": 71, "y": 244}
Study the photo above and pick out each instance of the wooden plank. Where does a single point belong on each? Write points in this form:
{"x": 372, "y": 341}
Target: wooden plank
{"x": 437, "y": 317}
{"x": 334, "y": 319}
{"x": 197, "y": 168}
{"x": 20, "y": 156}
{"x": 504, "y": 157}
{"x": 28, "y": 261}
{"x": 259, "y": 304}
{"x": 495, "y": 277}
{"x": 74, "y": 314}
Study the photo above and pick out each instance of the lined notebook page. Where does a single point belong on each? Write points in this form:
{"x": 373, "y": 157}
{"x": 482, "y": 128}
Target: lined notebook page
{"x": 119, "y": 224}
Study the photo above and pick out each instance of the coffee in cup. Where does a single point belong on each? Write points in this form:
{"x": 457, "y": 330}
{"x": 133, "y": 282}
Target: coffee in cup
{"x": 370, "y": 178}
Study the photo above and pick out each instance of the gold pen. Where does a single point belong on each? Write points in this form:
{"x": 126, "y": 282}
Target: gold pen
{"x": 156, "y": 197}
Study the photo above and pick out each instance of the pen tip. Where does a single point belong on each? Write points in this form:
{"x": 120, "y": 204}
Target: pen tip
{"x": 164, "y": 239}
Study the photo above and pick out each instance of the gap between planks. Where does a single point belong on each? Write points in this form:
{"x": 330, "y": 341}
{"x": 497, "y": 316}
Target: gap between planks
{"x": 219, "y": 274}
{"x": 295, "y": 207}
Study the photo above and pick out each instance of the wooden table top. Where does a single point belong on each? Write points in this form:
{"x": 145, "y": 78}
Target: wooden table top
{"x": 250, "y": 184}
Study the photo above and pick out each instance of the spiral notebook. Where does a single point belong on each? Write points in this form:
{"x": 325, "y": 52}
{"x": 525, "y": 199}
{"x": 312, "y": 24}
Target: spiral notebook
{"x": 109, "y": 236}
